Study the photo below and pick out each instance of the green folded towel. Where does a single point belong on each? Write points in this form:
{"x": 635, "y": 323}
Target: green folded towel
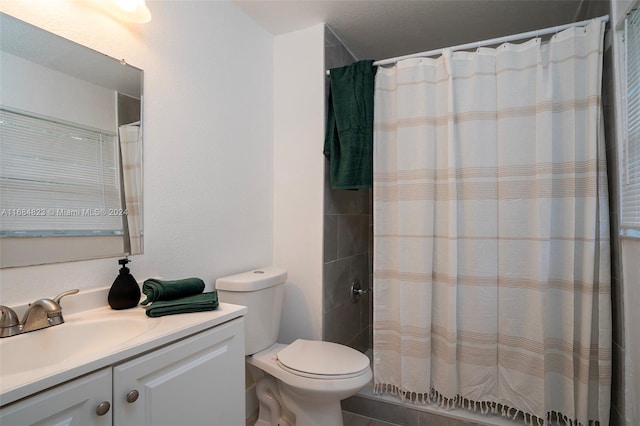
{"x": 168, "y": 290}
{"x": 348, "y": 142}
{"x": 198, "y": 303}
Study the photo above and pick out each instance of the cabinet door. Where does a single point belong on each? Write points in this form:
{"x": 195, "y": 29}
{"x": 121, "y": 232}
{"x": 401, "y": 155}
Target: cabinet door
{"x": 73, "y": 404}
{"x": 195, "y": 382}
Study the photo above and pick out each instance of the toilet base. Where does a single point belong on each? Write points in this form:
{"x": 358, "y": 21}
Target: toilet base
{"x": 288, "y": 399}
{"x": 279, "y": 407}
{"x": 271, "y": 409}
{"x": 311, "y": 413}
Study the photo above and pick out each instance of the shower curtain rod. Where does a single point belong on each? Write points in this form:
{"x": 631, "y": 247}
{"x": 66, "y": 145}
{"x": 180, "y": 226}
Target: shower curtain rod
{"x": 492, "y": 41}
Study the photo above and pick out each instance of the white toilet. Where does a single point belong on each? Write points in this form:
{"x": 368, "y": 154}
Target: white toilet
{"x": 305, "y": 380}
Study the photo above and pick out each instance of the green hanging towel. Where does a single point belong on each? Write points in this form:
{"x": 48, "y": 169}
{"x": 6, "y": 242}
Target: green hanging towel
{"x": 348, "y": 142}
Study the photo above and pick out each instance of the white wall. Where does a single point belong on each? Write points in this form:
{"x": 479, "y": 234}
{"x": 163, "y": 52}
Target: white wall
{"x": 31, "y": 87}
{"x": 208, "y": 154}
{"x": 631, "y": 284}
{"x": 298, "y": 134}
{"x": 619, "y": 8}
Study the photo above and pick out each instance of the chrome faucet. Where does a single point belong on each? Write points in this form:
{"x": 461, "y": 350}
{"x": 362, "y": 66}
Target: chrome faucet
{"x": 40, "y": 314}
{"x": 9, "y": 324}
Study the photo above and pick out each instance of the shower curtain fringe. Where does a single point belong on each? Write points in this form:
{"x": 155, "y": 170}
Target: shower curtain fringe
{"x": 486, "y": 408}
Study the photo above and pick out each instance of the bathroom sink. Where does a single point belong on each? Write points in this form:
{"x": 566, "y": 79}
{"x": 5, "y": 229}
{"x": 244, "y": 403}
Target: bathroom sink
{"x": 79, "y": 336}
{"x": 93, "y": 337}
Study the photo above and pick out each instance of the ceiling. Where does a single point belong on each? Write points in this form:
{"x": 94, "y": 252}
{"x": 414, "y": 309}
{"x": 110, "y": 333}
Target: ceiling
{"x": 379, "y": 29}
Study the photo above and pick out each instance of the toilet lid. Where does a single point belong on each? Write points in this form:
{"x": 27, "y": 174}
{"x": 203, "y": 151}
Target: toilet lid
{"x": 322, "y": 358}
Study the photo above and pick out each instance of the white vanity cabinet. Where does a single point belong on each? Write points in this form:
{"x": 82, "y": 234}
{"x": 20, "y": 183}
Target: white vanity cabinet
{"x": 198, "y": 380}
{"x": 73, "y": 404}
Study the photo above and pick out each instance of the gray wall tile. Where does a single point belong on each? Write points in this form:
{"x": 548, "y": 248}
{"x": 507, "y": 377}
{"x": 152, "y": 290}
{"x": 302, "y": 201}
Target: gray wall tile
{"x": 330, "y": 241}
{"x": 336, "y": 284}
{"x": 342, "y": 324}
{"x": 353, "y": 235}
{"x": 347, "y": 243}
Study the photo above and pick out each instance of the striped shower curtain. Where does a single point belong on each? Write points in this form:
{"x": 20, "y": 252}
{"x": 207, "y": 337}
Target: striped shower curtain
{"x": 491, "y": 247}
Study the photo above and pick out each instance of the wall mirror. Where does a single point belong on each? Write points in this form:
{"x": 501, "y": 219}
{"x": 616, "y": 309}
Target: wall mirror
{"x": 71, "y": 150}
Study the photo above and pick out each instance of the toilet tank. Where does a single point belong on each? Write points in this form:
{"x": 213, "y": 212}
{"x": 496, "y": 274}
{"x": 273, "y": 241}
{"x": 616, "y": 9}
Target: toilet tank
{"x": 261, "y": 291}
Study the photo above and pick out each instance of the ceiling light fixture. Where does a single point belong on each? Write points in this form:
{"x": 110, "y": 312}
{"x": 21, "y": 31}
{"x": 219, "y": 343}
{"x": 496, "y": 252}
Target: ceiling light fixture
{"x": 129, "y": 10}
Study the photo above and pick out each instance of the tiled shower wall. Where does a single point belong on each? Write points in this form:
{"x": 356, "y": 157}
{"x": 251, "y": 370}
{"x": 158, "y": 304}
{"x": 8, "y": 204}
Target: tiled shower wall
{"x": 347, "y": 244}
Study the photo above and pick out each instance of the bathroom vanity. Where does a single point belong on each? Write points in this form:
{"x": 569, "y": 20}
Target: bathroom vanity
{"x": 110, "y": 367}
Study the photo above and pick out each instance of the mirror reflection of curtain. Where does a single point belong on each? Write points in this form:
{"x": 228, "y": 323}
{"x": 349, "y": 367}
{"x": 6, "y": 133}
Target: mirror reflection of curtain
{"x": 131, "y": 152}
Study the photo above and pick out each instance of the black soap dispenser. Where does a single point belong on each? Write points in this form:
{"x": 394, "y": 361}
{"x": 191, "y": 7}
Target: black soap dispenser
{"x": 125, "y": 292}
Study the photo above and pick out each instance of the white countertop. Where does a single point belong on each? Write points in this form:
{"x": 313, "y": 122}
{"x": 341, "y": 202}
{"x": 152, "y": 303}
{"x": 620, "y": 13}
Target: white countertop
{"x": 161, "y": 331}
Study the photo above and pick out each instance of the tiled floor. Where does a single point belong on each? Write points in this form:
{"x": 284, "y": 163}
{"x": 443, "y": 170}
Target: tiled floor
{"x": 384, "y": 410}
{"x": 351, "y": 419}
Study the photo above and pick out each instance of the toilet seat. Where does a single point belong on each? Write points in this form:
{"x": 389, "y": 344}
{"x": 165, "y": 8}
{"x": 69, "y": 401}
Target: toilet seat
{"x": 322, "y": 360}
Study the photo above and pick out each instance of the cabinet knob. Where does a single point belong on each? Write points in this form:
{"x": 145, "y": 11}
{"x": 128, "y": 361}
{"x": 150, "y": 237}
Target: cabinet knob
{"x": 103, "y": 408}
{"x": 132, "y": 396}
